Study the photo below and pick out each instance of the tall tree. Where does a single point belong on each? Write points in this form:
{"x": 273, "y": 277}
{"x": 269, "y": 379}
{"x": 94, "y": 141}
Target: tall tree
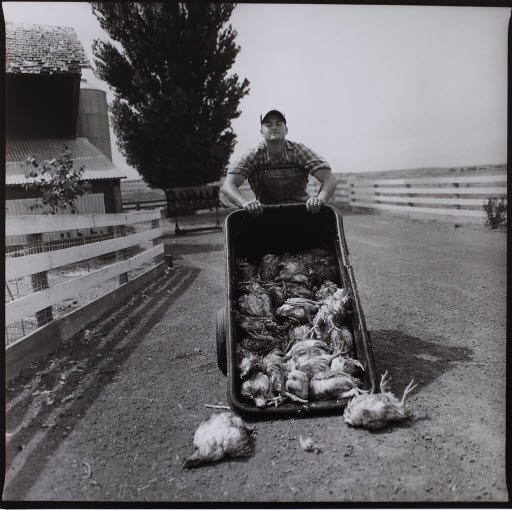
{"x": 173, "y": 97}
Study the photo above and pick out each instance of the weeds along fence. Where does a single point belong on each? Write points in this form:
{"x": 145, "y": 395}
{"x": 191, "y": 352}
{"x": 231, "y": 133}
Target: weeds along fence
{"x": 48, "y": 275}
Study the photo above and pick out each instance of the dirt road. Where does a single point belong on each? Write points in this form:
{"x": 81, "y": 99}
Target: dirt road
{"x": 111, "y": 416}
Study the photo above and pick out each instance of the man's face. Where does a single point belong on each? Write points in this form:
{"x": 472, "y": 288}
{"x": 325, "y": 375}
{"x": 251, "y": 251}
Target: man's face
{"x": 273, "y": 128}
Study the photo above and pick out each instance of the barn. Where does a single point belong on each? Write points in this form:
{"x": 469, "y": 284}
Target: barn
{"x": 50, "y": 109}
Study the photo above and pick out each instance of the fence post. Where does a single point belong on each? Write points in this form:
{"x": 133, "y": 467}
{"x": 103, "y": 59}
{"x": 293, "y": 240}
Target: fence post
{"x": 155, "y": 224}
{"x": 40, "y": 282}
{"x": 120, "y": 231}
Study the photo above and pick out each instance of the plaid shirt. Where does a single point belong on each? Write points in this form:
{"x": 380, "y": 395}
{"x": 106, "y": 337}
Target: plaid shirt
{"x": 277, "y": 181}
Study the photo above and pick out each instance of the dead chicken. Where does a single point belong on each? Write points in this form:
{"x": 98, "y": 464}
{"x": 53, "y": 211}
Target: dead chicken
{"x": 269, "y": 267}
{"x": 326, "y": 290}
{"x": 321, "y": 273}
{"x": 258, "y": 325}
{"x": 294, "y": 270}
{"x": 256, "y": 302}
{"x": 277, "y": 293}
{"x": 310, "y": 347}
{"x": 276, "y": 370}
{"x": 377, "y": 410}
{"x": 248, "y": 362}
{"x": 246, "y": 271}
{"x": 333, "y": 384}
{"x": 341, "y": 339}
{"x": 297, "y": 334}
{"x": 350, "y": 366}
{"x": 297, "y": 385}
{"x": 261, "y": 343}
{"x": 298, "y": 309}
{"x": 257, "y": 388}
{"x": 312, "y": 365}
{"x": 297, "y": 290}
{"x": 221, "y": 435}
{"x": 331, "y": 313}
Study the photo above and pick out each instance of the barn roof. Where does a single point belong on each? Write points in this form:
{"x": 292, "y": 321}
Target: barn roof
{"x": 83, "y": 152}
{"x": 43, "y": 49}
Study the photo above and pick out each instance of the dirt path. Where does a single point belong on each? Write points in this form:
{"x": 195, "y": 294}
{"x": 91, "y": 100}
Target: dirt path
{"x": 111, "y": 416}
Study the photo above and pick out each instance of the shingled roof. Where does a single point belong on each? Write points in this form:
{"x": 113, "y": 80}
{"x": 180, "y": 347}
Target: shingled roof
{"x": 43, "y": 49}
{"x": 83, "y": 152}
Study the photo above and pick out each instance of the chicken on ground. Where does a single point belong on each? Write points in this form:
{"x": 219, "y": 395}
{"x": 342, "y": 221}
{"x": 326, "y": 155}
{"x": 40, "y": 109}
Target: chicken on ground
{"x": 377, "y": 410}
{"x": 221, "y": 435}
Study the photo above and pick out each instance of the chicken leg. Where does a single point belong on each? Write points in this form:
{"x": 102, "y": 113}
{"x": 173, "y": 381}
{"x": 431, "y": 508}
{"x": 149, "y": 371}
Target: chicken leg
{"x": 385, "y": 382}
{"x": 408, "y": 390}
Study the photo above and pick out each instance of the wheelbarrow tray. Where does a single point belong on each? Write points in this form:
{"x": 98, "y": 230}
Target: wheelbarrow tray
{"x": 286, "y": 228}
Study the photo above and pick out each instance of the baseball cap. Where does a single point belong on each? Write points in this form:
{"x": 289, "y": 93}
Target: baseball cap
{"x": 268, "y": 111}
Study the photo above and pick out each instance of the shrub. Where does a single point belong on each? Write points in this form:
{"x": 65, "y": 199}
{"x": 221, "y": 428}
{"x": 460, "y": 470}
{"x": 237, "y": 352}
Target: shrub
{"x": 496, "y": 210}
{"x": 58, "y": 181}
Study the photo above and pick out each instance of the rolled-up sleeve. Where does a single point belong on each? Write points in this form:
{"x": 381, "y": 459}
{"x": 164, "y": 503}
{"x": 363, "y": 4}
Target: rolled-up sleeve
{"x": 311, "y": 160}
{"x": 244, "y": 165}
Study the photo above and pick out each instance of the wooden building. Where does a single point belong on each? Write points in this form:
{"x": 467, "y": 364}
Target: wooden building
{"x": 43, "y": 77}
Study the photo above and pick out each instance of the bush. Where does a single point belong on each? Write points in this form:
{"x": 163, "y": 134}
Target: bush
{"x": 57, "y": 180}
{"x": 496, "y": 211}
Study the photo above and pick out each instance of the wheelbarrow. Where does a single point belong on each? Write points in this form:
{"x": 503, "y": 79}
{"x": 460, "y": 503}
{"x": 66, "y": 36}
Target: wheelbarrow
{"x": 286, "y": 228}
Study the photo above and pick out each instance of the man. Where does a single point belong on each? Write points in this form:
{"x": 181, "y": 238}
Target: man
{"x": 278, "y": 170}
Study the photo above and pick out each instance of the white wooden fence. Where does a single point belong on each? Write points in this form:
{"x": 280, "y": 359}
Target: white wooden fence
{"x": 456, "y": 195}
{"x": 40, "y": 263}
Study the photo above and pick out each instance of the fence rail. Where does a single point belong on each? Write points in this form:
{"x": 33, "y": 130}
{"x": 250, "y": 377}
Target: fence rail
{"x": 37, "y": 265}
{"x": 458, "y": 196}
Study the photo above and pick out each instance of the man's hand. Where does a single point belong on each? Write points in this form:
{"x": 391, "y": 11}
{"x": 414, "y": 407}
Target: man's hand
{"x": 254, "y": 207}
{"x": 314, "y": 203}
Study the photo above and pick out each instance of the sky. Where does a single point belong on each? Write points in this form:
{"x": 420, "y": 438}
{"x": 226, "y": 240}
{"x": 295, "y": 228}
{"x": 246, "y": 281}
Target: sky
{"x": 368, "y": 87}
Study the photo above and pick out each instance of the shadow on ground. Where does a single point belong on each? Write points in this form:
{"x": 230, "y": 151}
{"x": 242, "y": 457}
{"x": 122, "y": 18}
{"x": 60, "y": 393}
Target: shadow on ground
{"x": 178, "y": 249}
{"x": 98, "y": 358}
{"x": 408, "y": 357}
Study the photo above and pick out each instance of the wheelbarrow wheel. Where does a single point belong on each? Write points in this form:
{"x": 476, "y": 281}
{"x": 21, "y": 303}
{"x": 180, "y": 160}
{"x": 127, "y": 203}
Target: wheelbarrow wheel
{"x": 221, "y": 333}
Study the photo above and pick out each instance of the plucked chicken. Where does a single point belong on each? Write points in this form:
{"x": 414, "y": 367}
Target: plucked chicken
{"x": 221, "y": 435}
{"x": 377, "y": 410}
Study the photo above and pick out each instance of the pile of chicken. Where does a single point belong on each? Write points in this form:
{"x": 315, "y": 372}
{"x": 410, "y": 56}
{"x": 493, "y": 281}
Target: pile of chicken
{"x": 293, "y": 321}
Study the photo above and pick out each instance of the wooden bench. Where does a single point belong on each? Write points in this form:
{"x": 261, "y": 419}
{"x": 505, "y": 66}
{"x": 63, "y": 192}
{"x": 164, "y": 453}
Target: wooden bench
{"x": 186, "y": 201}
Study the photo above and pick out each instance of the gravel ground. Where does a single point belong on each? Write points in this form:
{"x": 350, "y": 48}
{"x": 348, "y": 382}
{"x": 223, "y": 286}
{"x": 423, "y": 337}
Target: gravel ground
{"x": 110, "y": 416}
